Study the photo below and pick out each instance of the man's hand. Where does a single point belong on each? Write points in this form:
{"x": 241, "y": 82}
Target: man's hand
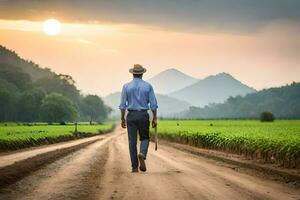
{"x": 154, "y": 122}
{"x": 123, "y": 123}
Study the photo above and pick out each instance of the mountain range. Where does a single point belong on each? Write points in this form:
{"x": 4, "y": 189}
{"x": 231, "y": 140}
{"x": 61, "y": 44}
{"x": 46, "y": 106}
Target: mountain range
{"x": 283, "y": 102}
{"x": 177, "y": 91}
{"x": 212, "y": 89}
{"x": 24, "y": 86}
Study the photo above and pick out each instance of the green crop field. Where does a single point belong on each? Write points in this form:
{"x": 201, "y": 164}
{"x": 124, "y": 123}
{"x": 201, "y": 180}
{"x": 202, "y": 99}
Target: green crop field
{"x": 15, "y": 136}
{"x": 277, "y": 142}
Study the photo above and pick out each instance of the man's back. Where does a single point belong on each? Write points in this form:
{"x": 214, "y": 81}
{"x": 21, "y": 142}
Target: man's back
{"x": 137, "y": 95}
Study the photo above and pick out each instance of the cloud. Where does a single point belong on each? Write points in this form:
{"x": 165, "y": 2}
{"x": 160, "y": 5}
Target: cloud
{"x": 187, "y": 15}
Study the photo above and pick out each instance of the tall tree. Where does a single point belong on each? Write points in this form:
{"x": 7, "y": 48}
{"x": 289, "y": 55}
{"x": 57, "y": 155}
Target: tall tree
{"x": 58, "y": 108}
{"x": 30, "y": 102}
{"x": 94, "y": 108}
{"x": 8, "y": 99}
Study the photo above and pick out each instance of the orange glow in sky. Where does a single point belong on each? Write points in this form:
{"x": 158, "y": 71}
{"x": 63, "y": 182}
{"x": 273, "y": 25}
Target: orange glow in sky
{"x": 98, "y": 55}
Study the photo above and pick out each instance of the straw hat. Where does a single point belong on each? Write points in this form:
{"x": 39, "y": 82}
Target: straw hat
{"x": 137, "y": 69}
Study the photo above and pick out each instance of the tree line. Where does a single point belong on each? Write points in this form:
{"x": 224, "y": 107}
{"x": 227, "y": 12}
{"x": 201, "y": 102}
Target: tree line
{"x": 282, "y": 102}
{"x": 29, "y": 93}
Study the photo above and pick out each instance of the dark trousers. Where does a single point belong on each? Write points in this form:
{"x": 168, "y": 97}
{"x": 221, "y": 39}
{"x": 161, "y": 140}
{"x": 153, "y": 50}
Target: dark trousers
{"x": 137, "y": 122}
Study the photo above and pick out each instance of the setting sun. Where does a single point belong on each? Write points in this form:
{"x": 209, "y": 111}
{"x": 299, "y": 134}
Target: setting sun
{"x": 52, "y": 27}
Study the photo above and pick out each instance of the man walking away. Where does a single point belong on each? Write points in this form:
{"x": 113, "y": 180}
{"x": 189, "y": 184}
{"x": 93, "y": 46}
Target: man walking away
{"x": 137, "y": 97}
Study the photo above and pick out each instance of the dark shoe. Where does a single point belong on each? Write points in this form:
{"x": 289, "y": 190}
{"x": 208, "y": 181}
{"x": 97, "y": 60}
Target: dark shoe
{"x": 135, "y": 170}
{"x": 142, "y": 162}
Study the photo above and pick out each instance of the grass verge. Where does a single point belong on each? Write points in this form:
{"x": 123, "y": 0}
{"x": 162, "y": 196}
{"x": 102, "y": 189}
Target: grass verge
{"x": 17, "y": 136}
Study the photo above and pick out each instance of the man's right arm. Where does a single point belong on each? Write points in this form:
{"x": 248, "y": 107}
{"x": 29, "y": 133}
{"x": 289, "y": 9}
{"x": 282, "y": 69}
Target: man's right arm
{"x": 123, "y": 121}
{"x": 123, "y": 106}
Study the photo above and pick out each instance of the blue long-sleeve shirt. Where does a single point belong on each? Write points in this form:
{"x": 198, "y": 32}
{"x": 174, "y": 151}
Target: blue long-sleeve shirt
{"x": 138, "y": 95}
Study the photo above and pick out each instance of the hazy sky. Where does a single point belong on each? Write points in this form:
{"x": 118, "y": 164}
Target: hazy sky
{"x": 257, "y": 41}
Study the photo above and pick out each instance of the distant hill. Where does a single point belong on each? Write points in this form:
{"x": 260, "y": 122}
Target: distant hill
{"x": 283, "y": 102}
{"x": 171, "y": 80}
{"x": 31, "y": 93}
{"x": 167, "y": 105}
{"x": 213, "y": 89}
{"x": 11, "y": 58}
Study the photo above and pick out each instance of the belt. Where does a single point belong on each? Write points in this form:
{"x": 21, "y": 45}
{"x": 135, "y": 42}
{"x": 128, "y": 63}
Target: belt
{"x": 141, "y": 110}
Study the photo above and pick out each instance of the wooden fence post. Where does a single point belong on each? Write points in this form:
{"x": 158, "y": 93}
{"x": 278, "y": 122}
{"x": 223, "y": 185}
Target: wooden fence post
{"x": 75, "y": 127}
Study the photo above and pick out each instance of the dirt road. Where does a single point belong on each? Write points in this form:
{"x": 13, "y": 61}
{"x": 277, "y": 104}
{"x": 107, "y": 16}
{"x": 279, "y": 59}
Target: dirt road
{"x": 101, "y": 170}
